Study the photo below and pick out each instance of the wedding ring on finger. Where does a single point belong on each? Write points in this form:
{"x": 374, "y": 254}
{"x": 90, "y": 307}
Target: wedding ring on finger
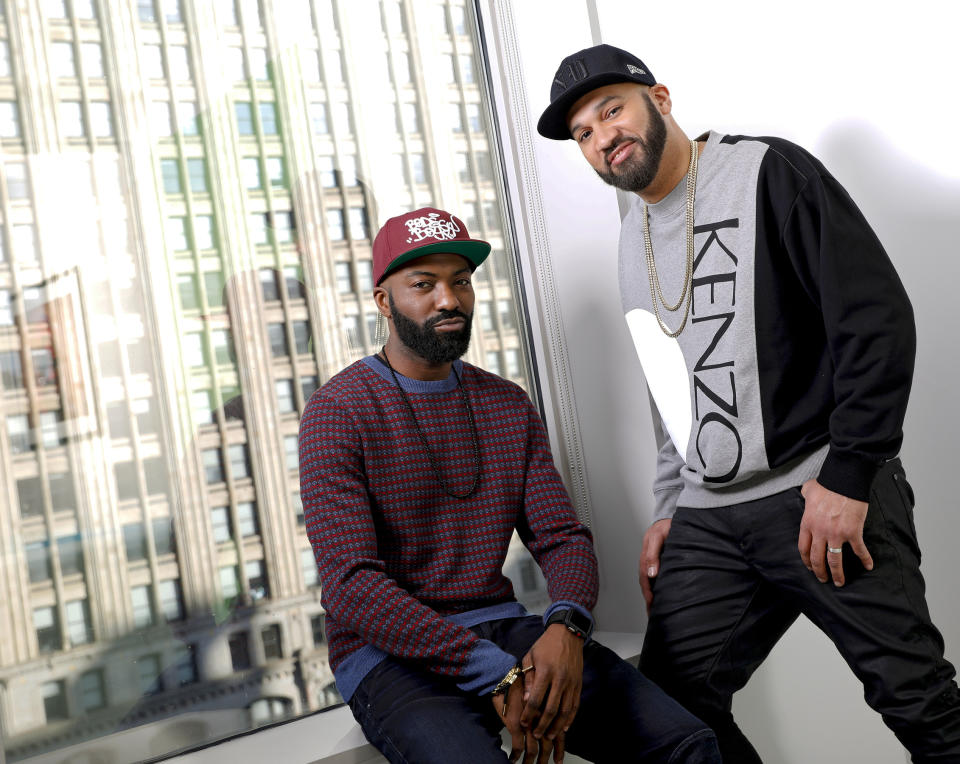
{"x": 834, "y": 550}
{"x": 528, "y": 668}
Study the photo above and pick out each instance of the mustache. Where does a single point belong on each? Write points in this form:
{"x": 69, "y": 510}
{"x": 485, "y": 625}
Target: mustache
{"x": 443, "y": 316}
{"x": 623, "y": 139}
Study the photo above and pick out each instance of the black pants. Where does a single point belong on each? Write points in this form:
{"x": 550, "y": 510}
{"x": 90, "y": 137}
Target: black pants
{"x": 731, "y": 583}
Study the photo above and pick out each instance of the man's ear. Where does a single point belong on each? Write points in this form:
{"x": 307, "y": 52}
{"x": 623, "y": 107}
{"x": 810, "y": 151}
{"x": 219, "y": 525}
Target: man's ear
{"x": 660, "y": 96}
{"x": 382, "y": 298}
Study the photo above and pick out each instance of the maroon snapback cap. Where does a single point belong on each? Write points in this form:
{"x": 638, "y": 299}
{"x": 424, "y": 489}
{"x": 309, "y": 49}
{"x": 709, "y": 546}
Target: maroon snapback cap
{"x": 422, "y": 232}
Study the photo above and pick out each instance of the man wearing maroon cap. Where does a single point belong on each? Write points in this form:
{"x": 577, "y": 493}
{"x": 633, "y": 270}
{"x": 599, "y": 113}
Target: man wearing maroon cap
{"x": 777, "y": 342}
{"x": 415, "y": 470}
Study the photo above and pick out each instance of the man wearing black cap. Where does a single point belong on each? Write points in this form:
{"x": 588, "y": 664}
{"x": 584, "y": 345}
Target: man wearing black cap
{"x": 415, "y": 470}
{"x": 777, "y": 343}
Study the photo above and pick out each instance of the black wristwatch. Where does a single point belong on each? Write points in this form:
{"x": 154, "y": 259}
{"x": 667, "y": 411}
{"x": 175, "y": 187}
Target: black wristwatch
{"x": 574, "y": 620}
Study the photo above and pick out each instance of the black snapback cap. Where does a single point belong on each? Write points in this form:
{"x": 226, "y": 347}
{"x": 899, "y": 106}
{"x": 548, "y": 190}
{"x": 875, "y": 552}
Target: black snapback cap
{"x": 581, "y": 72}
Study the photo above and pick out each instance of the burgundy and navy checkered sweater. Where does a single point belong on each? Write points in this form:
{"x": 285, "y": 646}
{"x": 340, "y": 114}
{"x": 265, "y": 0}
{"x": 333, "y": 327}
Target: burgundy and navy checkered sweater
{"x": 405, "y": 568}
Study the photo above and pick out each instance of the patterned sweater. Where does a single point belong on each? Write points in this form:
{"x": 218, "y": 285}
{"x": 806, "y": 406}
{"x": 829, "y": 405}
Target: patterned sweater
{"x": 405, "y": 568}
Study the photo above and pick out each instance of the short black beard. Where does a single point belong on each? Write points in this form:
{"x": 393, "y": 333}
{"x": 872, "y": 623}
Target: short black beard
{"x": 636, "y": 174}
{"x": 431, "y": 345}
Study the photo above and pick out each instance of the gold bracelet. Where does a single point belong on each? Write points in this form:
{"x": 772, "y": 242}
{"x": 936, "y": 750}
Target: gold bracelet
{"x": 509, "y": 679}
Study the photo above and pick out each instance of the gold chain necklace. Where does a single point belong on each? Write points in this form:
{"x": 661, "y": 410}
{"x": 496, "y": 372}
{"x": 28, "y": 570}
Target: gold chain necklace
{"x": 687, "y": 294}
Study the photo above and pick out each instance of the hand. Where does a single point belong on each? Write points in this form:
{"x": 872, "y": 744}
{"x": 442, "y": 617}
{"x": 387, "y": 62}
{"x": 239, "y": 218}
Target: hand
{"x": 830, "y": 520}
{"x": 520, "y": 741}
{"x": 552, "y": 690}
{"x": 653, "y": 541}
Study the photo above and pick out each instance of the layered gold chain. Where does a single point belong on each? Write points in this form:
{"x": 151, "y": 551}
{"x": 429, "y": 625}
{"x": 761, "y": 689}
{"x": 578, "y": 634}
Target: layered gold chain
{"x": 686, "y": 295}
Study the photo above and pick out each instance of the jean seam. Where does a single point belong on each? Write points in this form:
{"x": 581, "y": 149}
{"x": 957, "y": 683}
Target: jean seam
{"x": 729, "y": 637}
{"x": 917, "y": 613}
{"x": 684, "y": 747}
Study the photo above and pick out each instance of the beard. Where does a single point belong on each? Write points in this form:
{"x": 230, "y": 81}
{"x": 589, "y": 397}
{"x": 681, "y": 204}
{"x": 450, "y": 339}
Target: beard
{"x": 433, "y": 346}
{"x": 636, "y": 173}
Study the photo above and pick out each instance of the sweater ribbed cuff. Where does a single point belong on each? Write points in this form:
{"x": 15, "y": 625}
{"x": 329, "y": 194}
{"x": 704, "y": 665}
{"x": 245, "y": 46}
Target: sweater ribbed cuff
{"x": 848, "y": 474}
{"x": 486, "y": 666}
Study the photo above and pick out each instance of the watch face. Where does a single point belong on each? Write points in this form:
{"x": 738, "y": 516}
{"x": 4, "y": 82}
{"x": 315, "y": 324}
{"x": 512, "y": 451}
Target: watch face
{"x": 578, "y": 620}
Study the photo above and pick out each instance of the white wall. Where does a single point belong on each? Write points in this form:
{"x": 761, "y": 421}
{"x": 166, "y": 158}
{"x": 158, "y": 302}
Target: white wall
{"x": 872, "y": 93}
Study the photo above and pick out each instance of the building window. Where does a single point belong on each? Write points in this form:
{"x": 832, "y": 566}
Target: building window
{"x": 268, "y": 118}
{"x": 101, "y": 119}
{"x": 335, "y": 228}
{"x": 91, "y": 54}
{"x": 38, "y": 561}
{"x": 418, "y": 166}
{"x": 277, "y": 334}
{"x": 276, "y": 172}
{"x": 179, "y": 61}
{"x": 256, "y": 573}
{"x": 54, "y": 696}
{"x": 197, "y": 172}
{"x": 134, "y": 539}
{"x": 296, "y": 289}
{"x": 272, "y": 645}
{"x": 318, "y": 118}
{"x": 240, "y": 651}
{"x": 247, "y": 522}
{"x": 79, "y": 626}
{"x": 30, "y": 497}
{"x": 161, "y": 119}
{"x": 141, "y": 600}
{"x": 308, "y": 564}
{"x": 48, "y": 629}
{"x": 474, "y": 118}
{"x": 213, "y": 465}
{"x": 358, "y": 223}
{"x": 18, "y": 431}
{"x": 244, "y": 111}
{"x": 239, "y": 461}
{"x": 171, "y": 600}
{"x": 164, "y": 541}
{"x": 71, "y": 555}
{"x": 149, "y": 674}
{"x": 291, "y": 452}
{"x": 186, "y": 665}
{"x": 71, "y": 119}
{"x": 188, "y": 118}
{"x": 268, "y": 285}
{"x": 93, "y": 694}
{"x": 319, "y": 629}
{"x": 220, "y": 520}
{"x": 11, "y": 369}
{"x": 301, "y": 337}
{"x": 229, "y": 582}
{"x": 9, "y": 120}
{"x": 64, "y": 63}
{"x": 351, "y": 327}
{"x": 308, "y": 384}
{"x": 285, "y": 400}
{"x": 203, "y": 239}
{"x": 343, "y": 274}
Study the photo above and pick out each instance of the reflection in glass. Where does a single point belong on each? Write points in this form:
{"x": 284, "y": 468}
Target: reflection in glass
{"x": 185, "y": 257}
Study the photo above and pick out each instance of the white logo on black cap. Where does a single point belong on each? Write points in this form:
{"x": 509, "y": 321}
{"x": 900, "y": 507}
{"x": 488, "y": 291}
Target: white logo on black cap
{"x": 635, "y": 70}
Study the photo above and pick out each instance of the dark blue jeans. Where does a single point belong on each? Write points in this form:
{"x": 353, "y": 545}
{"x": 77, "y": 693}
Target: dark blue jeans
{"x": 731, "y": 582}
{"x": 414, "y": 717}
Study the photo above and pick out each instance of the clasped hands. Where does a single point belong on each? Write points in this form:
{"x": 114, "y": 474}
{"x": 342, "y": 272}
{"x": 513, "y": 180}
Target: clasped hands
{"x": 542, "y": 703}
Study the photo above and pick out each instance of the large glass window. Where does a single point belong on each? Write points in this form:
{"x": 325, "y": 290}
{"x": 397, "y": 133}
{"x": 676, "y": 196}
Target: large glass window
{"x": 188, "y": 208}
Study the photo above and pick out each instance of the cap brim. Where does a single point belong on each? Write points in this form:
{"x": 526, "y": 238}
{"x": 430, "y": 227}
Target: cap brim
{"x": 474, "y": 250}
{"x": 553, "y": 121}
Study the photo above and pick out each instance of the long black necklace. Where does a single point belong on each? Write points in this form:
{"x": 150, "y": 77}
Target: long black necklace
{"x": 426, "y": 446}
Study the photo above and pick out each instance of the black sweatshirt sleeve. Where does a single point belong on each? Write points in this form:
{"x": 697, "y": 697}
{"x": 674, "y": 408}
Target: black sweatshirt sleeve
{"x": 853, "y": 311}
